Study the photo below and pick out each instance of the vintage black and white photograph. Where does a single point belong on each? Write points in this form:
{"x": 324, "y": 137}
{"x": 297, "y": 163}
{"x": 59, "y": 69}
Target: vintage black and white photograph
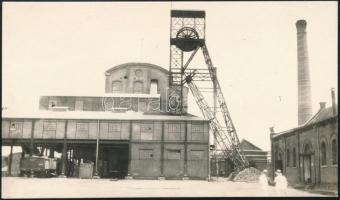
{"x": 169, "y": 99}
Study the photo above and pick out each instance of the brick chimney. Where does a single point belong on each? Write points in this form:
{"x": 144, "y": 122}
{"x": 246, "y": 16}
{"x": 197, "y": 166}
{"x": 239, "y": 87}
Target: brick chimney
{"x": 304, "y": 84}
{"x": 333, "y": 102}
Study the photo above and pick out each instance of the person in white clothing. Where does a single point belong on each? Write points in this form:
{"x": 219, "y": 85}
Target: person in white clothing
{"x": 281, "y": 184}
{"x": 263, "y": 181}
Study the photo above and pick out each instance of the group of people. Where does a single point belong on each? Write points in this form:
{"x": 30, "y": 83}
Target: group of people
{"x": 280, "y": 182}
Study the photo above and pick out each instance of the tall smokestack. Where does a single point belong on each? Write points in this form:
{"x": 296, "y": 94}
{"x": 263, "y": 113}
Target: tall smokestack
{"x": 304, "y": 83}
{"x": 333, "y": 102}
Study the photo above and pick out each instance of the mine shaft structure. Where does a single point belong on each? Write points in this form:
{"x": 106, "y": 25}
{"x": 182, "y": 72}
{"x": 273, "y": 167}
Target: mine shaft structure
{"x": 187, "y": 36}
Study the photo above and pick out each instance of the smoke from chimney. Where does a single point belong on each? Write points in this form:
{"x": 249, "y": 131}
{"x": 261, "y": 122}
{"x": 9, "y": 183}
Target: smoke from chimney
{"x": 304, "y": 84}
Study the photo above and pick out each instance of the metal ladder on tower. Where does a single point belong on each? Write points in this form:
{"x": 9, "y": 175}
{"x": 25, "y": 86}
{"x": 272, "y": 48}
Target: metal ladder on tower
{"x": 227, "y": 140}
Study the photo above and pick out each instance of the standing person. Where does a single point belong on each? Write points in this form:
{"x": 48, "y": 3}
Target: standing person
{"x": 280, "y": 184}
{"x": 263, "y": 181}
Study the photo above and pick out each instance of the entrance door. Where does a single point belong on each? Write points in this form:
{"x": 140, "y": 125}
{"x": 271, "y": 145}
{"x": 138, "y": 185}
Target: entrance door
{"x": 307, "y": 175}
{"x": 115, "y": 162}
{"x": 307, "y": 168}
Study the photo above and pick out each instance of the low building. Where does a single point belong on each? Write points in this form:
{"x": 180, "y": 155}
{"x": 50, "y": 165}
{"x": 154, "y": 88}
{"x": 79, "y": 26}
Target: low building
{"x": 308, "y": 154}
{"x": 255, "y": 156}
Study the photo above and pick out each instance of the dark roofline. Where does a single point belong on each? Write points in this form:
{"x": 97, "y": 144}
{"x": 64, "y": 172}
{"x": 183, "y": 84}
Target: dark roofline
{"x": 256, "y": 147}
{"x": 131, "y": 64}
{"x": 306, "y": 127}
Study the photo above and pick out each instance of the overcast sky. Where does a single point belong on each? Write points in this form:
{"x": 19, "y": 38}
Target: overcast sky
{"x": 55, "y": 48}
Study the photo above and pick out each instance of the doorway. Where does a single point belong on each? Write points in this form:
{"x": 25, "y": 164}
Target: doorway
{"x": 307, "y": 161}
{"x": 114, "y": 162}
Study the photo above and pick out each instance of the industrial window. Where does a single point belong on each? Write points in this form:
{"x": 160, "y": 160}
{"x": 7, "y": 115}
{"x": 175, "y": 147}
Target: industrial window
{"x": 288, "y": 157}
{"x": 116, "y": 87}
{"x": 174, "y": 131}
{"x": 50, "y": 125}
{"x": 154, "y": 87}
{"x": 294, "y": 157}
{"x": 114, "y": 130}
{"x": 174, "y": 127}
{"x": 146, "y": 131}
{"x": 323, "y": 153}
{"x": 83, "y": 128}
{"x": 15, "y": 128}
{"x": 87, "y": 105}
{"x": 334, "y": 152}
{"x": 138, "y": 87}
{"x": 174, "y": 154}
{"x": 78, "y": 105}
{"x": 52, "y": 103}
{"x": 145, "y": 154}
{"x": 114, "y": 127}
{"x": 197, "y": 131}
{"x": 196, "y": 154}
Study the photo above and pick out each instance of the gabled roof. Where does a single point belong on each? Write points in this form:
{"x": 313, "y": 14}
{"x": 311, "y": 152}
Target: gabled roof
{"x": 321, "y": 115}
{"x": 133, "y": 64}
{"x": 246, "y": 145}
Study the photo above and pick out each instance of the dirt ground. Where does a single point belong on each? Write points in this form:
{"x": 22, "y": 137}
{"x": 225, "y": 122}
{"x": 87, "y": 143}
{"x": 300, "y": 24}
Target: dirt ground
{"x": 19, "y": 187}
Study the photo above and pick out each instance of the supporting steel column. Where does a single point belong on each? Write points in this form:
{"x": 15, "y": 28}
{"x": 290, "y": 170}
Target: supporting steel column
{"x": 97, "y": 151}
{"x": 63, "y": 167}
{"x": 186, "y": 151}
{"x": 182, "y": 75}
{"x": 129, "y": 176}
{"x": 10, "y": 161}
{"x": 162, "y": 150}
{"x": 32, "y": 138}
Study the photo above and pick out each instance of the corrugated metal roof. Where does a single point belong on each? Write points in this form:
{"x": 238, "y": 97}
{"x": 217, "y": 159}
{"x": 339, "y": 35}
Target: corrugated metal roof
{"x": 42, "y": 114}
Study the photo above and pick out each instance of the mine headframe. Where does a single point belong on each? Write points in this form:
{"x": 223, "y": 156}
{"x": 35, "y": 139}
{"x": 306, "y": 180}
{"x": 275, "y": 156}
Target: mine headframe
{"x": 187, "y": 35}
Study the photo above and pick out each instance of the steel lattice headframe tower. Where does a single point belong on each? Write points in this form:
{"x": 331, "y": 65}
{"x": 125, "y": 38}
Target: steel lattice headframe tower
{"x": 187, "y": 35}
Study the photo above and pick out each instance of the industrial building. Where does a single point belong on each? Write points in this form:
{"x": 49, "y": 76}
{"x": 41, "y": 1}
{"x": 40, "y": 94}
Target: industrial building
{"x": 308, "y": 154}
{"x": 125, "y": 132}
{"x": 140, "y": 127}
{"x": 255, "y": 156}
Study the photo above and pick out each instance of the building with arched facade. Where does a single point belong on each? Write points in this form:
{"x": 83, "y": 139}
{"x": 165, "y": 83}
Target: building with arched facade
{"x": 308, "y": 154}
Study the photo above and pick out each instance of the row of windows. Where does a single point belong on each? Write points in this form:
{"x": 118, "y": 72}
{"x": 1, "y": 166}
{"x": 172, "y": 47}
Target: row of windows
{"x": 291, "y": 161}
{"x": 171, "y": 154}
{"x": 137, "y": 87}
{"x": 146, "y": 129}
{"x": 323, "y": 151}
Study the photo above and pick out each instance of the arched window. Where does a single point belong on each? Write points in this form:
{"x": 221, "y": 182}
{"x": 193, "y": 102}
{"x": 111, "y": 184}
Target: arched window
{"x": 323, "y": 153}
{"x": 154, "y": 86}
{"x": 138, "y": 87}
{"x": 288, "y": 158}
{"x": 334, "y": 152}
{"x": 294, "y": 157}
{"x": 116, "y": 87}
